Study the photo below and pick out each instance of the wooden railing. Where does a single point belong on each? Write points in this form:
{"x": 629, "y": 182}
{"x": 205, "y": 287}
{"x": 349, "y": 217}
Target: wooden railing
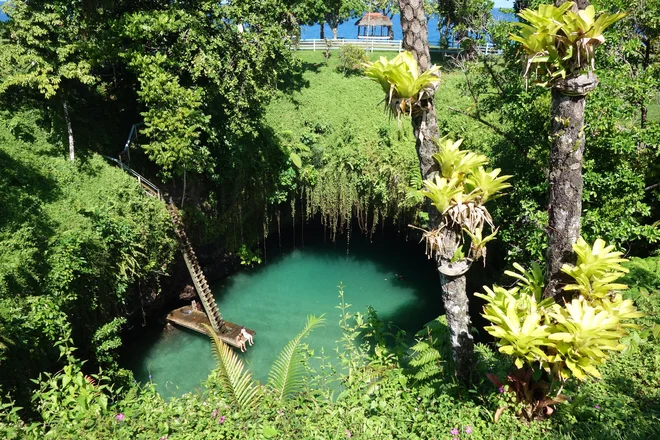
{"x": 196, "y": 273}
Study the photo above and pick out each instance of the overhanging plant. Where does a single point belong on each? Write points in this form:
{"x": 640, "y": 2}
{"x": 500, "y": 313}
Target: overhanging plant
{"x": 459, "y": 193}
{"x": 406, "y": 89}
{"x": 552, "y": 342}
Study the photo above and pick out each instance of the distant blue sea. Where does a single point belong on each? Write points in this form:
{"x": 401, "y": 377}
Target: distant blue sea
{"x": 348, "y": 29}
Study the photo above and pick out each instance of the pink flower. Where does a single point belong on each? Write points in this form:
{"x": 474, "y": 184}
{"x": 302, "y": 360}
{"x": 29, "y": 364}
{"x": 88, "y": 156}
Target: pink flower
{"x": 120, "y": 417}
{"x": 215, "y": 413}
{"x": 222, "y": 419}
{"x": 468, "y": 430}
{"x": 348, "y": 434}
{"x": 454, "y": 432}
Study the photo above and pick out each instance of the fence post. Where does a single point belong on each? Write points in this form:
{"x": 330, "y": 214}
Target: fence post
{"x": 313, "y": 45}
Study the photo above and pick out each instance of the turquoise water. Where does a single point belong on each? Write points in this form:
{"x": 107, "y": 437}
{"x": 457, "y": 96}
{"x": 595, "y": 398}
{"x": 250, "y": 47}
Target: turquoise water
{"x": 275, "y": 299}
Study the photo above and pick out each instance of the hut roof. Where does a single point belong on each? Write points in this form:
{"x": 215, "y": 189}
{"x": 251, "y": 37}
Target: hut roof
{"x": 374, "y": 19}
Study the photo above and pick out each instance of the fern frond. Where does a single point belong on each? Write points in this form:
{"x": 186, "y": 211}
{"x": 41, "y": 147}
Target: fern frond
{"x": 430, "y": 355}
{"x": 428, "y": 371}
{"x": 287, "y": 373}
{"x": 234, "y": 379}
{"x": 426, "y": 357}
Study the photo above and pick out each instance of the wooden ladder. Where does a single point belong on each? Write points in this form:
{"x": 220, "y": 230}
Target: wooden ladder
{"x": 199, "y": 280}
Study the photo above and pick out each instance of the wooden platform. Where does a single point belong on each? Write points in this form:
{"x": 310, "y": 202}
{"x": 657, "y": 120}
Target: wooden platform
{"x": 194, "y": 320}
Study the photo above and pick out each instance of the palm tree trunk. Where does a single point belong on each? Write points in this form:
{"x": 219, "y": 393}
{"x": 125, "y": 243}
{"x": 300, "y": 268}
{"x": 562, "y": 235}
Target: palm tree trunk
{"x": 425, "y": 128}
{"x": 565, "y": 175}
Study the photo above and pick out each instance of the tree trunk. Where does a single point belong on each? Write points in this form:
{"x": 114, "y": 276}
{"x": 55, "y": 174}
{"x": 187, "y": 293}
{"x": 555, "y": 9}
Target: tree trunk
{"x": 334, "y": 32}
{"x": 425, "y": 128}
{"x": 69, "y": 129}
{"x": 322, "y": 36}
{"x": 565, "y": 186}
{"x": 183, "y": 195}
{"x": 645, "y": 65}
{"x": 565, "y": 175}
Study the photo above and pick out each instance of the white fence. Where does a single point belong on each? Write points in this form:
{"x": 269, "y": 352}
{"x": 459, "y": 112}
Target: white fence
{"x": 371, "y": 45}
{"x": 366, "y": 44}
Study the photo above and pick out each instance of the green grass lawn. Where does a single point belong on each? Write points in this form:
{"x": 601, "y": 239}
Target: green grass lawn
{"x": 327, "y": 96}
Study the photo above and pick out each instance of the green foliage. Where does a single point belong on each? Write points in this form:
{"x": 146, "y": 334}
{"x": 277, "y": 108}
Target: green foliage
{"x": 336, "y": 12}
{"x": 70, "y": 395}
{"x": 567, "y": 340}
{"x": 431, "y": 357}
{"x": 559, "y": 42}
{"x": 464, "y": 21}
{"x": 46, "y": 47}
{"x": 352, "y": 58}
{"x": 76, "y": 242}
{"x": 595, "y": 269}
{"x": 505, "y": 118}
{"x": 459, "y": 193}
{"x": 286, "y": 378}
{"x": 203, "y": 79}
{"x": 248, "y": 257}
{"x": 405, "y": 88}
{"x": 352, "y": 167}
{"x": 234, "y": 380}
{"x": 287, "y": 375}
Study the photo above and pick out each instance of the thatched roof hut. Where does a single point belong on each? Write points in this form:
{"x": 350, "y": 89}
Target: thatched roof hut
{"x": 375, "y": 25}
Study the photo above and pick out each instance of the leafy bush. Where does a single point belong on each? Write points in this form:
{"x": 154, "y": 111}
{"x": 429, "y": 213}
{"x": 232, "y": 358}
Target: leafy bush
{"x": 566, "y": 340}
{"x": 351, "y": 59}
{"x": 75, "y": 241}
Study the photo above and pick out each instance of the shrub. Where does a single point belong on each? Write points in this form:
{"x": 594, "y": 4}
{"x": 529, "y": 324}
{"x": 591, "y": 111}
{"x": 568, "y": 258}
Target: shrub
{"x": 564, "y": 340}
{"x": 351, "y": 59}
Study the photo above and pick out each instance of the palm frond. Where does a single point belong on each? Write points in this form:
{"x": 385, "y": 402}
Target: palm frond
{"x": 235, "y": 380}
{"x": 287, "y": 373}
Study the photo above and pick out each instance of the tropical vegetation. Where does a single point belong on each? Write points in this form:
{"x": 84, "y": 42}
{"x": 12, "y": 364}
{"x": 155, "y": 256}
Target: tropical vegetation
{"x": 249, "y": 137}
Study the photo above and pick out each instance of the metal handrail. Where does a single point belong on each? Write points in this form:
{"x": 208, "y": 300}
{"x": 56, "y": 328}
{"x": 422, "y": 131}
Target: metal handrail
{"x": 141, "y": 179}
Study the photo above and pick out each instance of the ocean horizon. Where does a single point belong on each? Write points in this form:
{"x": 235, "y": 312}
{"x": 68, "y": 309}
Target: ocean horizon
{"x": 348, "y": 30}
